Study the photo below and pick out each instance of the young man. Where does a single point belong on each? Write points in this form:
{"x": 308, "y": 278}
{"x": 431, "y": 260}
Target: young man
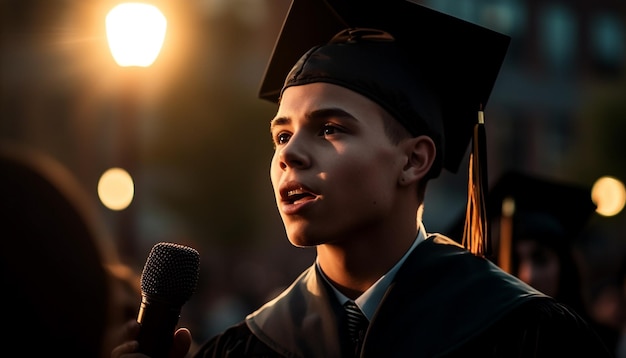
{"x": 385, "y": 97}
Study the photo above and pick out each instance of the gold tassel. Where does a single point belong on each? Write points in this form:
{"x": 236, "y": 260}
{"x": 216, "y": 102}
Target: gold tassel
{"x": 476, "y": 230}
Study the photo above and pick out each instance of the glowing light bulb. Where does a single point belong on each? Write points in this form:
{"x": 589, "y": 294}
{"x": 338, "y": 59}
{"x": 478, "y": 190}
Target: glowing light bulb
{"x": 135, "y": 33}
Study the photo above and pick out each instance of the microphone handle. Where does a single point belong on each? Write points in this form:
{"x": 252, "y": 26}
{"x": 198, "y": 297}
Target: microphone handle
{"x": 158, "y": 320}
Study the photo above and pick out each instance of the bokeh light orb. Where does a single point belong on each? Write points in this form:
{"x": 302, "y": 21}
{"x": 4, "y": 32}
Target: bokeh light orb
{"x": 609, "y": 195}
{"x": 135, "y": 32}
{"x": 116, "y": 189}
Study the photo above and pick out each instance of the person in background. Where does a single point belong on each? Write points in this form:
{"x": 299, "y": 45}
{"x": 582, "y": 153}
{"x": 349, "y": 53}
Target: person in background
{"x": 376, "y": 98}
{"x": 55, "y": 284}
{"x": 607, "y": 305}
{"x": 536, "y": 223}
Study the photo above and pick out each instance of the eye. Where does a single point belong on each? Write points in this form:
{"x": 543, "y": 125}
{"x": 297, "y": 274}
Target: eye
{"x": 329, "y": 129}
{"x": 281, "y": 138}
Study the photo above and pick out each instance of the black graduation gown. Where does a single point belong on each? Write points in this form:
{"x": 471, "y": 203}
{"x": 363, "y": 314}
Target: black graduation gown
{"x": 443, "y": 302}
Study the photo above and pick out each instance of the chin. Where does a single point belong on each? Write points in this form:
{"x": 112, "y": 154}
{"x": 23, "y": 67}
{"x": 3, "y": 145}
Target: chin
{"x": 302, "y": 244}
{"x": 302, "y": 241}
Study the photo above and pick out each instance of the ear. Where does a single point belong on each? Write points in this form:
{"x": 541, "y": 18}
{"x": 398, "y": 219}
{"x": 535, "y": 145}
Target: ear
{"x": 420, "y": 156}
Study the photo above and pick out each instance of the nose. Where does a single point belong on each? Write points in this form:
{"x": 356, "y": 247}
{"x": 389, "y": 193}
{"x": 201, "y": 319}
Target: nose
{"x": 294, "y": 154}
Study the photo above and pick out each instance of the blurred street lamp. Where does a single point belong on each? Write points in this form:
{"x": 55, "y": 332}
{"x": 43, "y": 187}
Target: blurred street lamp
{"x": 135, "y": 34}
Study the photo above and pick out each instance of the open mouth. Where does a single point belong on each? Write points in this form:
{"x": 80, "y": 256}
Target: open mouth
{"x": 298, "y": 195}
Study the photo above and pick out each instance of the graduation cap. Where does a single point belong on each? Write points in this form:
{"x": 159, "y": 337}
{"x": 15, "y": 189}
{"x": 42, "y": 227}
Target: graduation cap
{"x": 550, "y": 212}
{"x": 433, "y": 72}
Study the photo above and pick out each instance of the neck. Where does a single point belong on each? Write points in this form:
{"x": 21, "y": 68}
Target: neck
{"x": 355, "y": 265}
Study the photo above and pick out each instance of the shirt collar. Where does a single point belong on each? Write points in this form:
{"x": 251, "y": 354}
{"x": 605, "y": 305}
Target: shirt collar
{"x": 369, "y": 300}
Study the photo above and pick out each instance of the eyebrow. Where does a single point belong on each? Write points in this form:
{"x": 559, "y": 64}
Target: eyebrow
{"x": 314, "y": 115}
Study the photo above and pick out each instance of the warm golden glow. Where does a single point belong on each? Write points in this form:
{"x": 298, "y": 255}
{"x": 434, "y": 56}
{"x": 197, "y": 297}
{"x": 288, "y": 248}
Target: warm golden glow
{"x": 609, "y": 195}
{"x": 135, "y": 32}
{"x": 506, "y": 234}
{"x": 116, "y": 189}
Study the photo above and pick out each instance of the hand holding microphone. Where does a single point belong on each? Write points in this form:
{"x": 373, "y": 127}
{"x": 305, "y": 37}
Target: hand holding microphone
{"x": 168, "y": 280}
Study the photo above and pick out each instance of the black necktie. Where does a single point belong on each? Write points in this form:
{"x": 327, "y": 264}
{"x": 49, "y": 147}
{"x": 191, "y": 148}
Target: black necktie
{"x": 357, "y": 324}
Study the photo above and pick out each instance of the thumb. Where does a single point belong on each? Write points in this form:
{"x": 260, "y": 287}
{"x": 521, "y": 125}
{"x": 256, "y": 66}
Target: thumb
{"x": 181, "y": 343}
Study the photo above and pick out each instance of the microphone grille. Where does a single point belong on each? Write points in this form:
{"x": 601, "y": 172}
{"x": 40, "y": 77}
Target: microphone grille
{"x": 171, "y": 272}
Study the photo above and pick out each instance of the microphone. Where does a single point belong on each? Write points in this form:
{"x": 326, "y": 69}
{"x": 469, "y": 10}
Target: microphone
{"x": 168, "y": 280}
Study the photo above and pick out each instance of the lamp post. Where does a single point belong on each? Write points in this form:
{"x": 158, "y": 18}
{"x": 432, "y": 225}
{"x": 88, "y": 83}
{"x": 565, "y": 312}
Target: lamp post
{"x": 135, "y": 33}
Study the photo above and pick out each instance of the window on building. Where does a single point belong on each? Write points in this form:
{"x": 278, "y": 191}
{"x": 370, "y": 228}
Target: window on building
{"x": 608, "y": 43}
{"x": 558, "y": 38}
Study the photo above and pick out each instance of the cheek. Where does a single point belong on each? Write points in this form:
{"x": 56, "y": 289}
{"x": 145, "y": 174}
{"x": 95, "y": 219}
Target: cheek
{"x": 365, "y": 175}
{"x": 381, "y": 168}
{"x": 274, "y": 166}
{"x": 275, "y": 172}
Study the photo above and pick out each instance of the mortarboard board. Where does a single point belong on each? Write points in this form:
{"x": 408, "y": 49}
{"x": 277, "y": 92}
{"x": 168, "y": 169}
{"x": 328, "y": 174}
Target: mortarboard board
{"x": 440, "y": 87}
{"x": 551, "y": 212}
